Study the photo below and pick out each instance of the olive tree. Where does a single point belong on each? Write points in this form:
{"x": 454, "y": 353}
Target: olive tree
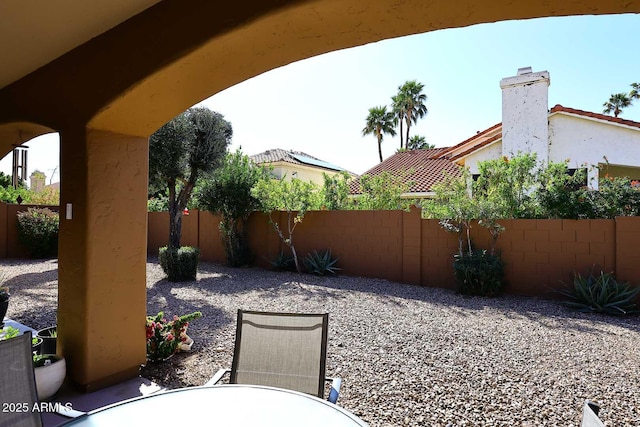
{"x": 179, "y": 152}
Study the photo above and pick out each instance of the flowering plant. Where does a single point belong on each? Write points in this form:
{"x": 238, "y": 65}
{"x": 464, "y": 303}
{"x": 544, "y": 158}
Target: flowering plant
{"x": 164, "y": 336}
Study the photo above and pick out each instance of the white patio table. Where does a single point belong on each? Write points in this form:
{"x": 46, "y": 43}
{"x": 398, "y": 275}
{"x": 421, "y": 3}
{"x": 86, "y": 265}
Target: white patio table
{"x": 223, "y": 405}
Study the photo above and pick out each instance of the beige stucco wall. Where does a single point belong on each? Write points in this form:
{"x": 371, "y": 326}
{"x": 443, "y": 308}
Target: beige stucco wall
{"x": 304, "y": 173}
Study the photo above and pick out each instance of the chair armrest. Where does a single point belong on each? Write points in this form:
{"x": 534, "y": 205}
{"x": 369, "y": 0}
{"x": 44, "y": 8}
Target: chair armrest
{"x": 590, "y": 415}
{"x": 334, "y": 392}
{"x": 217, "y": 377}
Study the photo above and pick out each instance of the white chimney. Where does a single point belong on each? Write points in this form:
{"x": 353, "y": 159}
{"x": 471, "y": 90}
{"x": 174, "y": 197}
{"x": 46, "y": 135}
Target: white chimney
{"x": 525, "y": 104}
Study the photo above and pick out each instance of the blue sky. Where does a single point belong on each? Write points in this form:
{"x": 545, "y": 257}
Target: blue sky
{"x": 319, "y": 105}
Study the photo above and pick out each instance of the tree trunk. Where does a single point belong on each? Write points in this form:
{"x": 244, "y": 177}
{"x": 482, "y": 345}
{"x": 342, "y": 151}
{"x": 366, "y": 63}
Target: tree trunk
{"x": 175, "y": 226}
{"x": 177, "y": 203}
{"x": 175, "y": 217}
{"x": 380, "y": 147}
{"x": 405, "y": 144}
{"x": 295, "y": 254}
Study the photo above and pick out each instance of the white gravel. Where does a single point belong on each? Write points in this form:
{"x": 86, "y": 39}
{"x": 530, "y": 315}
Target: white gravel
{"x": 408, "y": 355}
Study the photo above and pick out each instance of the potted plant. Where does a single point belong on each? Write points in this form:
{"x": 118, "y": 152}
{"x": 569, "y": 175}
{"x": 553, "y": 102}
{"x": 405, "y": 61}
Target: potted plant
{"x": 50, "y": 371}
{"x": 4, "y": 303}
{"x": 36, "y": 344}
{"x": 9, "y": 332}
{"x": 49, "y": 337}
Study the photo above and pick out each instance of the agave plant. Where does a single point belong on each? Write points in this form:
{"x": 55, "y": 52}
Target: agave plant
{"x": 282, "y": 262}
{"x": 321, "y": 263}
{"x": 601, "y": 294}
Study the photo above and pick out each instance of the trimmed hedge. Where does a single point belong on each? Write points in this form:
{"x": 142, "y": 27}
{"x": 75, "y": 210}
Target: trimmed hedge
{"x": 180, "y": 264}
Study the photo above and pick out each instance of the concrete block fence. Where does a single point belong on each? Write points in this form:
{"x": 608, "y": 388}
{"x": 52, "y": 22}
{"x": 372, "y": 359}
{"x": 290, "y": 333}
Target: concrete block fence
{"x": 403, "y": 247}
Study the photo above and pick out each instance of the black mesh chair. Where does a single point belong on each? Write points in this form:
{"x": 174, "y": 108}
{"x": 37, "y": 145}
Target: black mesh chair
{"x": 283, "y": 350}
{"x": 17, "y": 383}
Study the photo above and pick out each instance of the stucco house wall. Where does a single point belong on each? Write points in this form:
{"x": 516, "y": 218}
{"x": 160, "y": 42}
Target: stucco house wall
{"x": 589, "y": 141}
{"x": 491, "y": 152}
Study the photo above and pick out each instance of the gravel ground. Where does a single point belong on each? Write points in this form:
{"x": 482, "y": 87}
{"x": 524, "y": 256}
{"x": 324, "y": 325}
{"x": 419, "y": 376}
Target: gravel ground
{"x": 408, "y": 355}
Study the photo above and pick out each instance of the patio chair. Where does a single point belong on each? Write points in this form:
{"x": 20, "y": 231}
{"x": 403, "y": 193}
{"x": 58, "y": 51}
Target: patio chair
{"x": 17, "y": 383}
{"x": 590, "y": 415}
{"x": 283, "y": 350}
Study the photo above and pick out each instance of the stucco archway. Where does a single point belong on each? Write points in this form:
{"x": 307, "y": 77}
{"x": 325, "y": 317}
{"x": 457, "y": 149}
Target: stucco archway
{"x": 110, "y": 90}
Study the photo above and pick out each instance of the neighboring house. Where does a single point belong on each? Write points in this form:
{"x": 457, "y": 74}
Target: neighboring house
{"x": 601, "y": 144}
{"x": 604, "y": 145}
{"x": 294, "y": 164}
{"x": 418, "y": 168}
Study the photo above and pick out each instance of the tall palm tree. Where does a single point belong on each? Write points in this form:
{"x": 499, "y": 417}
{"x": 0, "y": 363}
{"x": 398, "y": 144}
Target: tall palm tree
{"x": 419, "y": 142}
{"x": 378, "y": 122}
{"x": 414, "y": 101}
{"x": 635, "y": 91}
{"x": 399, "y": 108}
{"x": 616, "y": 103}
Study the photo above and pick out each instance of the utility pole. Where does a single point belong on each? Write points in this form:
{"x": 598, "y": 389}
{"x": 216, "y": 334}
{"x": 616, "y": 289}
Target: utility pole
{"x": 53, "y": 174}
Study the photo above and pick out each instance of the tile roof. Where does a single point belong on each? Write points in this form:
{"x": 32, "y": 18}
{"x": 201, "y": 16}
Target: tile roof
{"x": 426, "y": 166}
{"x": 478, "y": 137}
{"x": 294, "y": 157}
{"x": 560, "y": 109}
{"x": 482, "y": 143}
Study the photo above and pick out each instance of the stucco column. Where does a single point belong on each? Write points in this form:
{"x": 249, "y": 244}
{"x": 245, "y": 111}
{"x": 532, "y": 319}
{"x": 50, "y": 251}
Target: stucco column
{"x": 102, "y": 262}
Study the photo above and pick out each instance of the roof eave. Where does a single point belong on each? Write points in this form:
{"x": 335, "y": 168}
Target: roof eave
{"x": 595, "y": 119}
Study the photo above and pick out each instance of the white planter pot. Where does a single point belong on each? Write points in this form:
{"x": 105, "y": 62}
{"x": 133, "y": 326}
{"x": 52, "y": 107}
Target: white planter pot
{"x": 49, "y": 378}
{"x": 186, "y": 344}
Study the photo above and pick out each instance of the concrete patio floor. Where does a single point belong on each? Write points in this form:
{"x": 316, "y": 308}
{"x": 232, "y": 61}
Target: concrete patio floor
{"x": 135, "y": 387}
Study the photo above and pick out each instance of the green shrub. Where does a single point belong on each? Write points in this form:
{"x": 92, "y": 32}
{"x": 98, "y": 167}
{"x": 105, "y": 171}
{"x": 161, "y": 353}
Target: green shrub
{"x": 321, "y": 263}
{"x": 158, "y": 204}
{"x": 236, "y": 244}
{"x": 38, "y": 231}
{"x": 600, "y": 294}
{"x": 479, "y": 273}
{"x": 179, "y": 264}
{"x": 227, "y": 192}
